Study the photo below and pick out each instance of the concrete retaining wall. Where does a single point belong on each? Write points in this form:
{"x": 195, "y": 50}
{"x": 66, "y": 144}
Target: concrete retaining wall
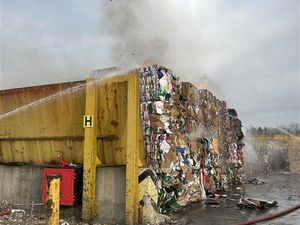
{"x": 23, "y": 184}
{"x": 110, "y": 194}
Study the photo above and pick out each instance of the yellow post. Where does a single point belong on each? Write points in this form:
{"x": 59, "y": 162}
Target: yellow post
{"x": 132, "y": 151}
{"x": 52, "y": 204}
{"x": 90, "y": 124}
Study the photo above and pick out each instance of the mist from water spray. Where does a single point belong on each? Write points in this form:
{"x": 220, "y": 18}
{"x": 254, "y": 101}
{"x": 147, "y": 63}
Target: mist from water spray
{"x": 250, "y": 153}
{"x": 289, "y": 134}
{"x": 263, "y": 155}
{"x": 253, "y": 162}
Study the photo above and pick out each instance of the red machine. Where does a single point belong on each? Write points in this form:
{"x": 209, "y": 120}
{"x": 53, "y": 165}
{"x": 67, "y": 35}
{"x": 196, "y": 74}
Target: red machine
{"x": 70, "y": 184}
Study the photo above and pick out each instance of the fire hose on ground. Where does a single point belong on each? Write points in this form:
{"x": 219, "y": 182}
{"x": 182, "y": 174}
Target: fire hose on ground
{"x": 5, "y": 212}
{"x": 270, "y": 216}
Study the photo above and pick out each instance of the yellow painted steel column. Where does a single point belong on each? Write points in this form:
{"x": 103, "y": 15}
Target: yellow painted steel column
{"x": 52, "y": 204}
{"x": 132, "y": 151}
{"x": 90, "y": 151}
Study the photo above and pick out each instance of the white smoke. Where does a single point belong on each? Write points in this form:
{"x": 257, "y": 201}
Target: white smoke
{"x": 163, "y": 32}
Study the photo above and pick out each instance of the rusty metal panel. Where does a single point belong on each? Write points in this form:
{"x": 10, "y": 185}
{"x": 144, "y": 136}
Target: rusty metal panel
{"x": 46, "y": 126}
{"x": 37, "y": 123}
{"x": 112, "y": 114}
{"x": 39, "y": 152}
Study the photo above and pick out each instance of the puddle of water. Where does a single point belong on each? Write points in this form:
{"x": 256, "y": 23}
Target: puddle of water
{"x": 281, "y": 187}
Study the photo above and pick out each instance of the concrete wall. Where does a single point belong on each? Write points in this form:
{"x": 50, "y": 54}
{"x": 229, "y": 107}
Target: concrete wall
{"x": 110, "y": 194}
{"x": 21, "y": 184}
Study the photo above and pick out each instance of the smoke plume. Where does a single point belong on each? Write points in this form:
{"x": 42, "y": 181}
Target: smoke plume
{"x": 160, "y": 32}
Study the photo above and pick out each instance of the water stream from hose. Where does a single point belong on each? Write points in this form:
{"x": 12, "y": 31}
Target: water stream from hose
{"x": 99, "y": 75}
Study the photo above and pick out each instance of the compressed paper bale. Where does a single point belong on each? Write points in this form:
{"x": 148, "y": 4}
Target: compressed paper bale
{"x": 224, "y": 106}
{"x": 156, "y": 121}
{"x": 202, "y": 97}
{"x": 188, "y": 108}
{"x": 175, "y": 111}
{"x": 207, "y": 118}
{"x": 210, "y": 96}
{"x": 188, "y": 90}
{"x": 214, "y": 121}
{"x": 194, "y": 112}
{"x": 183, "y": 196}
{"x": 167, "y": 108}
{"x": 185, "y": 169}
{"x": 194, "y": 147}
{"x": 194, "y": 97}
{"x": 209, "y": 184}
{"x": 205, "y": 131}
{"x": 185, "y": 119}
{"x": 189, "y": 93}
{"x": 176, "y": 96}
{"x": 181, "y": 140}
{"x": 170, "y": 157}
{"x": 193, "y": 193}
{"x": 227, "y": 123}
{"x": 202, "y": 152}
{"x": 214, "y": 131}
{"x": 189, "y": 176}
{"x": 187, "y": 150}
{"x": 191, "y": 126}
{"x": 196, "y": 197}
{"x": 182, "y": 110}
{"x": 166, "y": 170}
{"x": 170, "y": 138}
{"x": 158, "y": 107}
{"x": 200, "y": 115}
{"x": 175, "y": 128}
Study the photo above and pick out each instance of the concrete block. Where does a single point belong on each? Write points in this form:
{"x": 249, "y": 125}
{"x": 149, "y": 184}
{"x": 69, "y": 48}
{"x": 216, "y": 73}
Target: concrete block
{"x": 110, "y": 194}
{"x": 21, "y": 184}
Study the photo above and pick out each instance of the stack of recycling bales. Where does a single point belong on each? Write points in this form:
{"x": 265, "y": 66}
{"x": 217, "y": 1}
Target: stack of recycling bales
{"x": 235, "y": 149}
{"x": 188, "y": 137}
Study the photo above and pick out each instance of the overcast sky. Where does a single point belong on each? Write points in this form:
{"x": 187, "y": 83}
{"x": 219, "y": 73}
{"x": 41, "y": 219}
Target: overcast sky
{"x": 247, "y": 52}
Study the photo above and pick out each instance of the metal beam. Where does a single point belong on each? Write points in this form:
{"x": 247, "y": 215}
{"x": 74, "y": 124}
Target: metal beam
{"x": 90, "y": 152}
{"x": 57, "y": 138}
{"x": 132, "y": 152}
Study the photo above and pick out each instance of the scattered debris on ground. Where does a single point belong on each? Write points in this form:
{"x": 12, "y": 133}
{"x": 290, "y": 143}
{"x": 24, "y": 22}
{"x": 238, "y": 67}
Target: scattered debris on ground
{"x": 255, "y": 181}
{"x": 255, "y": 203}
{"x": 212, "y": 201}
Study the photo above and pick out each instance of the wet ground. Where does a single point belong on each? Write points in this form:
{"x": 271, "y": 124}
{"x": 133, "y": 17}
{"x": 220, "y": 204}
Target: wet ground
{"x": 281, "y": 187}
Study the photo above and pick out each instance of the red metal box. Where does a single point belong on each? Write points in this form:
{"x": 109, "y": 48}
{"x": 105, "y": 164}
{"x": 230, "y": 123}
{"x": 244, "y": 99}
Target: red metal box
{"x": 67, "y": 182}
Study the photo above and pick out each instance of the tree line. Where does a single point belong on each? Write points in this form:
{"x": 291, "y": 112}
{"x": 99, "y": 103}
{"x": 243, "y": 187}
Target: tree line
{"x": 291, "y": 129}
